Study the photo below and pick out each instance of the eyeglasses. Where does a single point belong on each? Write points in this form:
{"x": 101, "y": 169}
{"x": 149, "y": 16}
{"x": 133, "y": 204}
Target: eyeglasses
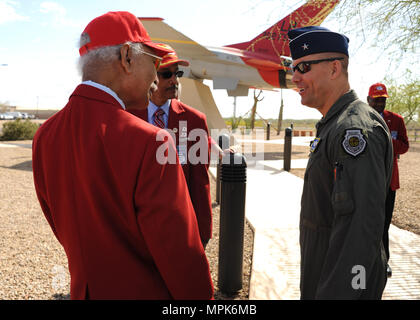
{"x": 157, "y": 60}
{"x": 305, "y": 66}
{"x": 168, "y": 74}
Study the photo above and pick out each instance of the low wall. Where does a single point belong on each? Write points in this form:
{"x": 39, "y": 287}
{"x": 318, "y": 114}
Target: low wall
{"x": 40, "y": 114}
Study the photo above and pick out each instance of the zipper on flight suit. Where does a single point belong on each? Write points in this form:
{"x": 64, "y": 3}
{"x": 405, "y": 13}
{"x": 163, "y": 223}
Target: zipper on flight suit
{"x": 338, "y": 169}
{"x": 341, "y": 198}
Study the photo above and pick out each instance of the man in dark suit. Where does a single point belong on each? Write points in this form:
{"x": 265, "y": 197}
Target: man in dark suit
{"x": 188, "y": 127}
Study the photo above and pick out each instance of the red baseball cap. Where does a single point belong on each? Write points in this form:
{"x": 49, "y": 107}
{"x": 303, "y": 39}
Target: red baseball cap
{"x": 378, "y": 90}
{"x": 171, "y": 57}
{"x": 114, "y": 28}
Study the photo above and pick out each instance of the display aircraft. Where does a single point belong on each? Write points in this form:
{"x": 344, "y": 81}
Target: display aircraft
{"x": 262, "y": 62}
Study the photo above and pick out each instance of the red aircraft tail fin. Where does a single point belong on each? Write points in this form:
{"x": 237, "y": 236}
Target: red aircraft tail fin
{"x": 273, "y": 42}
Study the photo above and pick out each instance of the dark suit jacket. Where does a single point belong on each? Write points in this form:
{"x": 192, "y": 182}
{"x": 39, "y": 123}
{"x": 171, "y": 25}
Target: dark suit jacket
{"x": 196, "y": 174}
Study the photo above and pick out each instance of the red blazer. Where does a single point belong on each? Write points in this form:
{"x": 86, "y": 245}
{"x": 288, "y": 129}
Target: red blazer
{"x": 399, "y": 142}
{"x": 196, "y": 175}
{"x": 125, "y": 221}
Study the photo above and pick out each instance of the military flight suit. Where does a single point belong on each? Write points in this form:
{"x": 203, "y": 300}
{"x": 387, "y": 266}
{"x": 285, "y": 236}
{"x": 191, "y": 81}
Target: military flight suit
{"x": 343, "y": 204}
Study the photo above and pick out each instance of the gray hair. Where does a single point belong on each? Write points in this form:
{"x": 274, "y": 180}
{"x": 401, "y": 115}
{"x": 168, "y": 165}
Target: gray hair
{"x": 102, "y": 56}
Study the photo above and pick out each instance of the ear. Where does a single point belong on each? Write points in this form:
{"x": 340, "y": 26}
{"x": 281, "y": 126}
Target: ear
{"x": 125, "y": 58}
{"x": 336, "y": 69}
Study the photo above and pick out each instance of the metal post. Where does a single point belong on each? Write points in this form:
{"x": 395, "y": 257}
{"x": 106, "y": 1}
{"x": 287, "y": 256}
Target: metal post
{"x": 232, "y": 222}
{"x": 224, "y": 143}
{"x": 37, "y": 106}
{"x": 234, "y": 111}
{"x": 287, "y": 154}
{"x": 268, "y": 130}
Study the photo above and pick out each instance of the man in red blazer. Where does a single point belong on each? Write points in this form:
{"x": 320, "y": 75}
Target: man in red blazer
{"x": 189, "y": 128}
{"x": 125, "y": 220}
{"x": 377, "y": 100}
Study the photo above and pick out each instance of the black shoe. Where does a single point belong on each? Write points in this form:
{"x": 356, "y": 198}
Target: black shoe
{"x": 388, "y": 271}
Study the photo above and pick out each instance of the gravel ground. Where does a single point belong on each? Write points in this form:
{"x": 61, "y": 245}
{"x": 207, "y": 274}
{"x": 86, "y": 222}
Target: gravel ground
{"x": 407, "y": 202}
{"x": 33, "y": 264}
{"x": 212, "y": 252}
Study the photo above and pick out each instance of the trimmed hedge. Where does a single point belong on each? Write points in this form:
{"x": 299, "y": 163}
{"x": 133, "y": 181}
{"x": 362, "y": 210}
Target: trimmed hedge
{"x": 18, "y": 130}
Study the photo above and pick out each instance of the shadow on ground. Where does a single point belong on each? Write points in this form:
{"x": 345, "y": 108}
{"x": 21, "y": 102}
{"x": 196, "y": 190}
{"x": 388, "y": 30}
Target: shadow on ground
{"x": 61, "y": 296}
{"x": 273, "y": 155}
{"x": 26, "y": 166}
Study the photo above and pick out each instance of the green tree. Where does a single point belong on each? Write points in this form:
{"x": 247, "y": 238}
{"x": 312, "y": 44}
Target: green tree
{"x": 404, "y": 98}
{"x": 280, "y": 118}
{"x": 19, "y": 130}
{"x": 394, "y": 24}
{"x": 254, "y": 108}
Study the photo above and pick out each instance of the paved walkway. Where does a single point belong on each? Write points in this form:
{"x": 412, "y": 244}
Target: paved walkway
{"x": 16, "y": 145}
{"x": 273, "y": 207}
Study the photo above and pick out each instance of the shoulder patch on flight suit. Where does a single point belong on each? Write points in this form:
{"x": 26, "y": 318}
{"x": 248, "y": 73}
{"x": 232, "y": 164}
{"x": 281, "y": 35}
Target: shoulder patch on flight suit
{"x": 314, "y": 144}
{"x": 354, "y": 143}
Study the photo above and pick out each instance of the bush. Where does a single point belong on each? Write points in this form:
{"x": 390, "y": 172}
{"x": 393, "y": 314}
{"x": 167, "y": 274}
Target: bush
{"x": 19, "y": 130}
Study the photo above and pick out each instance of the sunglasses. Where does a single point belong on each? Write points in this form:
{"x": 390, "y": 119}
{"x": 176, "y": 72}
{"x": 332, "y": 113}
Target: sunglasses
{"x": 169, "y": 74}
{"x": 305, "y": 66}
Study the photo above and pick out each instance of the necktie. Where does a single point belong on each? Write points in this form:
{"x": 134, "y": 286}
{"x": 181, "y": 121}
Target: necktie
{"x": 158, "y": 118}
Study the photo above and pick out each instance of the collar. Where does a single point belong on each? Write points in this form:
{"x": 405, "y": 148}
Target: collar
{"x": 177, "y": 106}
{"x": 338, "y": 106}
{"x": 106, "y": 89}
{"x": 151, "y": 108}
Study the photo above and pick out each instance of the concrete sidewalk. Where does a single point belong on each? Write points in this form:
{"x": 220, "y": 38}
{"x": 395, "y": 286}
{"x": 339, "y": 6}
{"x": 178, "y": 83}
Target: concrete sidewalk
{"x": 273, "y": 208}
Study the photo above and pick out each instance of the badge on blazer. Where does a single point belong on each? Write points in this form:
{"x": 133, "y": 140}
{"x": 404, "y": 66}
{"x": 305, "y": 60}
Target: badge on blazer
{"x": 354, "y": 143}
{"x": 182, "y": 154}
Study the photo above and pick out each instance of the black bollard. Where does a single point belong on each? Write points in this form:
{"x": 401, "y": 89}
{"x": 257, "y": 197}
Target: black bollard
{"x": 224, "y": 143}
{"x": 232, "y": 222}
{"x": 268, "y": 130}
{"x": 287, "y": 154}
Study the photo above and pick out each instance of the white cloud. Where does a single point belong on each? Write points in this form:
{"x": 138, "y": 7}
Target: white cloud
{"x": 8, "y": 12}
{"x": 58, "y": 12}
{"x": 53, "y": 7}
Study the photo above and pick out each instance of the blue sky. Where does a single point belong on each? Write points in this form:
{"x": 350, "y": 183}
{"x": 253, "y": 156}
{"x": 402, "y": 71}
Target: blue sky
{"x": 38, "y": 42}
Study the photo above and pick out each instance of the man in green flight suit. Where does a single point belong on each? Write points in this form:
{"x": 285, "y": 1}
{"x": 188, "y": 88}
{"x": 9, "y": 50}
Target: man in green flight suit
{"x": 346, "y": 179}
